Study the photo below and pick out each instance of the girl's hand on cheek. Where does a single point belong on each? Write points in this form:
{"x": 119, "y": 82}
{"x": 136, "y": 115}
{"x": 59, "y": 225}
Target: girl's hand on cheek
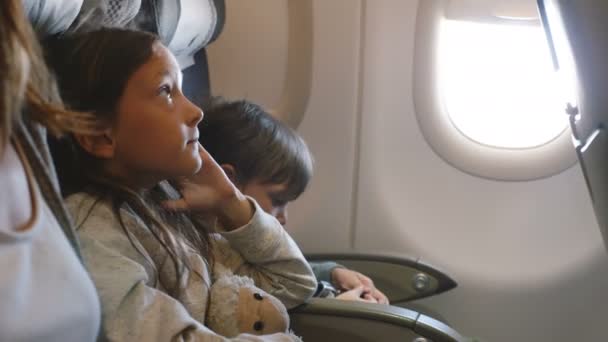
{"x": 210, "y": 192}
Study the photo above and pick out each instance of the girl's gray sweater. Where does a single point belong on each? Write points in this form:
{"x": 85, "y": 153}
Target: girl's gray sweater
{"x": 135, "y": 307}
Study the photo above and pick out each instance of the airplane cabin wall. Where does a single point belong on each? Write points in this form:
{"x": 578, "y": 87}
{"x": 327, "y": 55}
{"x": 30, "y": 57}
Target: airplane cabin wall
{"x": 528, "y": 256}
{"x": 248, "y": 62}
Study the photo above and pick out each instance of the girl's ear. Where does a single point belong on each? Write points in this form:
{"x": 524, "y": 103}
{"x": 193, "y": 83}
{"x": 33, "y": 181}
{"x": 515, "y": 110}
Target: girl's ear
{"x": 230, "y": 171}
{"x": 101, "y": 146}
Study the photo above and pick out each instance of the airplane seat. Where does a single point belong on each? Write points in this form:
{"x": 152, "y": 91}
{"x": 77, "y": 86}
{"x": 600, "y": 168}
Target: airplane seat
{"x": 50, "y": 17}
{"x": 324, "y": 319}
{"x": 576, "y": 32}
{"x": 186, "y": 27}
{"x": 402, "y": 279}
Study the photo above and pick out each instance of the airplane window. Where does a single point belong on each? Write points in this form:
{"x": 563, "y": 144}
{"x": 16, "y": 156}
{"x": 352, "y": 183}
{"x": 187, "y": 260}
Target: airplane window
{"x": 498, "y": 84}
{"x": 488, "y": 100}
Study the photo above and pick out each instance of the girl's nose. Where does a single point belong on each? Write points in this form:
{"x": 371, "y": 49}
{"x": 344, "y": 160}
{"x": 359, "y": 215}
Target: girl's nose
{"x": 195, "y": 114}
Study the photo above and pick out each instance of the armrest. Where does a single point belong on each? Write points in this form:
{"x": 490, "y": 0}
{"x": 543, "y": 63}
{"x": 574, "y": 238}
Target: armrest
{"x": 324, "y": 319}
{"x": 400, "y": 278}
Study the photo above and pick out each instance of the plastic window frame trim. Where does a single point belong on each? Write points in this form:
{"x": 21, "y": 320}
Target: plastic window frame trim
{"x": 449, "y": 143}
{"x": 298, "y": 79}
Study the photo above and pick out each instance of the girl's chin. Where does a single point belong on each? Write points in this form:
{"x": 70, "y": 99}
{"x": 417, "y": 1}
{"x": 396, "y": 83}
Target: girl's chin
{"x": 185, "y": 168}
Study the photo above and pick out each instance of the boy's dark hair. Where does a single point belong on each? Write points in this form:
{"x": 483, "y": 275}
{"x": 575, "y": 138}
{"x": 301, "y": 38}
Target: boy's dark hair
{"x": 257, "y": 145}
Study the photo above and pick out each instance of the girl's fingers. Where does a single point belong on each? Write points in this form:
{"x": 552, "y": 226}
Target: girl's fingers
{"x": 358, "y": 291}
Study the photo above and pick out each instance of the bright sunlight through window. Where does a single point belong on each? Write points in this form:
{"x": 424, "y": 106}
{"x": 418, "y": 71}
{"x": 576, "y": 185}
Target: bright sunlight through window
{"x": 498, "y": 84}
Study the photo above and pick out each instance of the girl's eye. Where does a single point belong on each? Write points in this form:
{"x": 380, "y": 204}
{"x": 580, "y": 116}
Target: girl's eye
{"x": 165, "y": 91}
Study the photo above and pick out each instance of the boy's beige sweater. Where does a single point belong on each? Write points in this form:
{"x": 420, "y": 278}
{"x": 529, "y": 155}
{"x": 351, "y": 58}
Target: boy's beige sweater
{"x": 136, "y": 308}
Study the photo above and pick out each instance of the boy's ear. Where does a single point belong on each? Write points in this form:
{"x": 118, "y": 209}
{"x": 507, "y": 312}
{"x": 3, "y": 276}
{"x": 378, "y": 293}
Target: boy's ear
{"x": 101, "y": 146}
{"x": 230, "y": 171}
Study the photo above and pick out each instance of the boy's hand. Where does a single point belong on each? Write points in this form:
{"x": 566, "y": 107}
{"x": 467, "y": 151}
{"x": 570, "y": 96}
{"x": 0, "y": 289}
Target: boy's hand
{"x": 210, "y": 192}
{"x": 345, "y": 279}
{"x": 358, "y": 294}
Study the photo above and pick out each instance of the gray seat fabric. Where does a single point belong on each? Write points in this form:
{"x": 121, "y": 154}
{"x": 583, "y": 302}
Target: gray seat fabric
{"x": 185, "y": 26}
{"x": 108, "y": 13}
{"x": 49, "y": 17}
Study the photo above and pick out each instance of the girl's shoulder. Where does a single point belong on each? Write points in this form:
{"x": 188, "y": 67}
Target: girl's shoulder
{"x": 95, "y": 216}
{"x": 99, "y": 228}
{"x": 83, "y": 207}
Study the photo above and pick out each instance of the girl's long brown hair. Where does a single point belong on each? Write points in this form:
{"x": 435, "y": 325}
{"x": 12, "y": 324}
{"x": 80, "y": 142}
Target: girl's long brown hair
{"x": 25, "y": 82}
{"x": 93, "y": 69}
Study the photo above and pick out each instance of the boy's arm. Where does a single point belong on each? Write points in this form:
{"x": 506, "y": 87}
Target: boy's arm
{"x": 322, "y": 270}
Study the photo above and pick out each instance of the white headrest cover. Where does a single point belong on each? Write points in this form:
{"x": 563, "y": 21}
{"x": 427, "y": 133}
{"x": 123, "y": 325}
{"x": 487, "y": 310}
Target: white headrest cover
{"x": 113, "y": 13}
{"x": 196, "y": 21}
{"x": 51, "y": 16}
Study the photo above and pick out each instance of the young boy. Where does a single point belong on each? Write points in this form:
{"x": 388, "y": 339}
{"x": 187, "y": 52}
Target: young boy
{"x": 270, "y": 162}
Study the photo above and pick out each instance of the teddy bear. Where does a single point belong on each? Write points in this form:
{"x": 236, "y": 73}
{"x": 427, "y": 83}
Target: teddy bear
{"x": 237, "y": 306}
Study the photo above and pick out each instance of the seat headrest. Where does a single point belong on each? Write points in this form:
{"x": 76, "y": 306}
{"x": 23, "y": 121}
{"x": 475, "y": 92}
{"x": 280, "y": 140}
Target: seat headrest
{"x": 184, "y": 26}
{"x": 108, "y": 13}
{"x": 50, "y": 17}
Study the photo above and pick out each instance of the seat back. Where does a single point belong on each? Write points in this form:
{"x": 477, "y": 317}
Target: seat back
{"x": 577, "y": 32}
{"x": 49, "y": 17}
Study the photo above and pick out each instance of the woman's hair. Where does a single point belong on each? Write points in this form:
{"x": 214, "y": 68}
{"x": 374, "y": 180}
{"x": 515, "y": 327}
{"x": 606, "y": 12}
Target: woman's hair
{"x": 93, "y": 69}
{"x": 257, "y": 145}
{"x": 26, "y": 82}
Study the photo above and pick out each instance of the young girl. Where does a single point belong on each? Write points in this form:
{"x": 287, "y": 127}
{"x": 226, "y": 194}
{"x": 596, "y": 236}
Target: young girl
{"x": 152, "y": 265}
{"x": 269, "y": 162}
{"x": 45, "y": 292}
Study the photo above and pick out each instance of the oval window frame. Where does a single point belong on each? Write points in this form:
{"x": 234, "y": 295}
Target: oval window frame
{"x": 448, "y": 142}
